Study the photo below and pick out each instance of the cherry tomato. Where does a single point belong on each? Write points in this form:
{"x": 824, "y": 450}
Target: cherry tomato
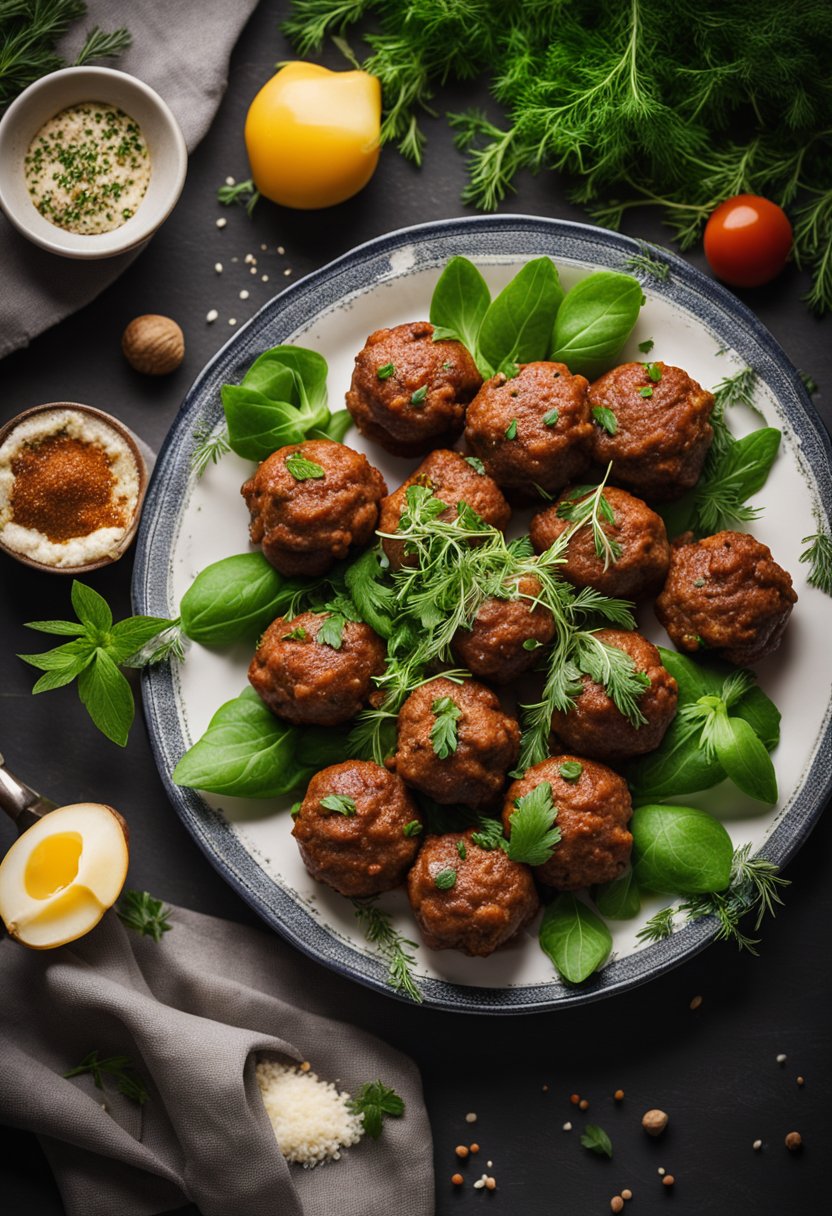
{"x": 747, "y": 240}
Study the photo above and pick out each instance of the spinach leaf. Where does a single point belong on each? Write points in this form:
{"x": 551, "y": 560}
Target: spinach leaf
{"x": 235, "y": 598}
{"x": 459, "y": 302}
{"x": 575, "y": 939}
{"x": 619, "y": 899}
{"x": 696, "y": 677}
{"x": 680, "y": 849}
{"x": 594, "y": 321}
{"x": 744, "y": 757}
{"x": 308, "y": 368}
{"x": 680, "y": 765}
{"x": 258, "y": 426}
{"x": 760, "y": 712}
{"x": 282, "y": 398}
{"x": 248, "y": 752}
{"x": 335, "y": 429}
{"x": 518, "y": 324}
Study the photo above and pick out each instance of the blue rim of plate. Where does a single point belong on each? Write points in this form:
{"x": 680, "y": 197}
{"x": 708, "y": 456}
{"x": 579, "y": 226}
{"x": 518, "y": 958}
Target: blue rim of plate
{"x": 432, "y": 244}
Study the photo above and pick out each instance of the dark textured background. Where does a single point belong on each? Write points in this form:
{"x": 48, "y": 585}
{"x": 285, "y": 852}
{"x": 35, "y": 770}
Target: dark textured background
{"x": 713, "y": 1070}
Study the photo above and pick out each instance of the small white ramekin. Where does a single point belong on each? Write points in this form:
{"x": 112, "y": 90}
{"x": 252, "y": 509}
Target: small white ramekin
{"x": 72, "y": 86}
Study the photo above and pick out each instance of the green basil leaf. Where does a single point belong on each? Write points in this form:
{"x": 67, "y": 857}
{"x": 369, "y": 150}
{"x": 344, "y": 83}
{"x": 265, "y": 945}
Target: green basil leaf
{"x": 519, "y": 322}
{"x": 108, "y": 697}
{"x": 133, "y": 633}
{"x": 60, "y": 676}
{"x": 375, "y": 600}
{"x": 310, "y": 372}
{"x": 749, "y": 460}
{"x": 235, "y": 598}
{"x": 459, "y": 302}
{"x": 760, "y": 712}
{"x": 596, "y": 1140}
{"x": 678, "y": 766}
{"x": 246, "y": 751}
{"x": 336, "y": 429}
{"x": 680, "y": 849}
{"x": 594, "y": 321}
{"x": 258, "y": 426}
{"x": 66, "y": 628}
{"x": 619, "y": 899}
{"x": 91, "y": 608}
{"x": 271, "y": 377}
{"x": 575, "y": 939}
{"x": 61, "y": 657}
{"x": 745, "y": 759}
{"x": 696, "y": 678}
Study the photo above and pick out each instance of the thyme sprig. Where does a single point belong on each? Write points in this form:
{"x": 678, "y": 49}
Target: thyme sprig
{"x": 395, "y": 950}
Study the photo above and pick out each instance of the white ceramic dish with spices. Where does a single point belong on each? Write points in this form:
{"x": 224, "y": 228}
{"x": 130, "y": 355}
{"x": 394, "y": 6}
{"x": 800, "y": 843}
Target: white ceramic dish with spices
{"x": 92, "y": 161}
{"x": 72, "y": 484}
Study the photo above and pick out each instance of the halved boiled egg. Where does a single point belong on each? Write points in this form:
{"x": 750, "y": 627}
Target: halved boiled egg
{"x": 60, "y": 877}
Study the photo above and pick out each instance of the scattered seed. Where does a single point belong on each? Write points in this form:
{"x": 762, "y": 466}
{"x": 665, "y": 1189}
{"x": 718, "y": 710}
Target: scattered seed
{"x": 583, "y": 1104}
{"x": 781, "y": 1059}
{"x": 461, "y": 1151}
{"x": 696, "y": 1002}
{"x": 619, "y": 1095}
{"x": 457, "y": 1179}
{"x": 211, "y": 315}
{"x": 218, "y": 267}
{"x": 264, "y": 248}
{"x": 626, "y": 1193}
{"x": 249, "y": 258}
{"x": 668, "y": 1180}
{"x": 231, "y": 181}
{"x": 654, "y": 1122}
{"x": 287, "y": 271}
{"x": 232, "y": 320}
{"x": 474, "y": 1148}
{"x": 794, "y": 1141}
{"x": 222, "y": 221}
{"x": 470, "y": 1117}
{"x": 567, "y": 1127}
{"x": 305, "y": 1066}
{"x": 280, "y": 249}
{"x": 616, "y": 1204}
{"x": 244, "y": 294}
{"x": 800, "y": 1080}
{"x": 264, "y": 278}
{"x": 662, "y": 1171}
{"x": 490, "y": 1164}
{"x": 252, "y": 270}
{"x": 491, "y": 1184}
{"x": 757, "y": 1145}
{"x": 480, "y": 1183}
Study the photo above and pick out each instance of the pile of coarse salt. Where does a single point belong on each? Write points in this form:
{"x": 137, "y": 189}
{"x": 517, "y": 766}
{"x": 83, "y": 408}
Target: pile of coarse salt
{"x": 312, "y": 1120}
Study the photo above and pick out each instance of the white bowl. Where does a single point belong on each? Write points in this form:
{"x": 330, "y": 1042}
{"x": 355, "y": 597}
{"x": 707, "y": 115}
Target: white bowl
{"x": 72, "y": 86}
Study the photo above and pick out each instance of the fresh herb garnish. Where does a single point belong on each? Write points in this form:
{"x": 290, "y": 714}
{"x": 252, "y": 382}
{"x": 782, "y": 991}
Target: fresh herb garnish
{"x": 511, "y": 429}
{"x": 140, "y": 911}
{"x": 245, "y": 193}
{"x": 653, "y": 371}
{"x": 303, "y": 469}
{"x": 489, "y": 835}
{"x": 646, "y": 346}
{"x": 476, "y": 464}
{"x": 298, "y": 634}
{"x": 589, "y": 505}
{"x": 532, "y": 644}
{"x": 819, "y": 556}
{"x": 596, "y": 1140}
{"x": 647, "y": 391}
{"x": 339, "y": 803}
{"x": 445, "y": 879}
{"x": 571, "y": 770}
{"x": 533, "y": 832}
{"x": 575, "y": 939}
{"x": 460, "y": 848}
{"x": 680, "y": 848}
{"x": 649, "y": 263}
{"x": 550, "y": 418}
{"x": 414, "y": 828}
{"x": 386, "y": 371}
{"x": 418, "y": 397}
{"x": 594, "y": 321}
{"x": 211, "y": 446}
{"x": 444, "y": 732}
{"x": 395, "y": 950}
{"x": 128, "y": 1081}
{"x": 606, "y": 419}
{"x": 374, "y": 1101}
{"x": 658, "y": 927}
{"x": 295, "y": 809}
{"x": 331, "y": 631}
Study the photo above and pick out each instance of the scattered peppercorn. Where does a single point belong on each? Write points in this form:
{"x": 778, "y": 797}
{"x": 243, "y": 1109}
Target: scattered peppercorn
{"x": 583, "y": 1104}
{"x": 619, "y": 1095}
{"x": 616, "y": 1204}
{"x": 474, "y": 1148}
{"x": 794, "y": 1141}
{"x": 801, "y": 1080}
{"x": 668, "y": 1180}
{"x": 654, "y": 1122}
{"x": 491, "y": 1184}
{"x": 696, "y": 1002}
{"x": 574, "y": 1099}
{"x": 461, "y": 1151}
{"x": 457, "y": 1179}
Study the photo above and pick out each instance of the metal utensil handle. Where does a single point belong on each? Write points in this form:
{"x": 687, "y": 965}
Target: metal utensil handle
{"x": 20, "y": 802}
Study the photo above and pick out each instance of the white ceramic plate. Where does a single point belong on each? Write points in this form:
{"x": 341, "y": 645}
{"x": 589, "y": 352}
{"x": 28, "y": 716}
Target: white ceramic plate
{"x": 189, "y": 523}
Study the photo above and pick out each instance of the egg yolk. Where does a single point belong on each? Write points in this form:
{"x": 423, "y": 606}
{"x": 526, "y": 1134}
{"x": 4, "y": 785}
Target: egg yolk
{"x": 53, "y": 864}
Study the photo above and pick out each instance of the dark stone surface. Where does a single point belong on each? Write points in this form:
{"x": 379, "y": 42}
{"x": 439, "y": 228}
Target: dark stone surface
{"x": 713, "y": 1070}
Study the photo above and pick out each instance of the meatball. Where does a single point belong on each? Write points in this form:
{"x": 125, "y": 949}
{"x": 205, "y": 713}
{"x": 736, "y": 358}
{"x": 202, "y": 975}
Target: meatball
{"x": 409, "y": 393}
{"x": 453, "y": 480}
{"x": 305, "y": 519}
{"x": 532, "y": 432}
{"x": 662, "y": 430}
{"x": 596, "y": 727}
{"x": 455, "y": 744}
{"x": 357, "y": 828}
{"x": 641, "y": 566}
{"x": 593, "y": 810}
{"x": 309, "y": 682}
{"x": 726, "y": 594}
{"x": 506, "y": 634}
{"x": 488, "y": 901}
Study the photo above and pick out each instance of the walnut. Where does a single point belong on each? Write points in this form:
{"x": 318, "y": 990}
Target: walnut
{"x": 154, "y": 345}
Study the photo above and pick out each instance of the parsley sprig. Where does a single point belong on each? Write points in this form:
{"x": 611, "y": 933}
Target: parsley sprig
{"x": 534, "y": 832}
{"x": 375, "y": 1102}
{"x": 444, "y": 733}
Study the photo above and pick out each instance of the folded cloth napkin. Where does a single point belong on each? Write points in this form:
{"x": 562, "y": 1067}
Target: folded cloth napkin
{"x": 181, "y": 48}
{"x": 191, "y": 1012}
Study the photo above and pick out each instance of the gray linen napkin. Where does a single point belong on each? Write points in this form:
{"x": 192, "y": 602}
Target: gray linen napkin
{"x": 181, "y": 48}
{"x": 190, "y": 1012}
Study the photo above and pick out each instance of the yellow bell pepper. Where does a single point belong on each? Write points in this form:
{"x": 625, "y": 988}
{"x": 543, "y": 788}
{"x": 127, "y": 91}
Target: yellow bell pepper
{"x": 312, "y": 135}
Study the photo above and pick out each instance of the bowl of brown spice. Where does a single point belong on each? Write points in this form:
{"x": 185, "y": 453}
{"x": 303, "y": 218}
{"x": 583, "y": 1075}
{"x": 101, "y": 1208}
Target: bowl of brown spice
{"x": 72, "y": 482}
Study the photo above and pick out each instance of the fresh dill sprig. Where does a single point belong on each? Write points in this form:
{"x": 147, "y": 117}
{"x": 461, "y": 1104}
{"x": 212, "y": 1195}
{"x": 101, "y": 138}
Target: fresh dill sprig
{"x": 211, "y": 446}
{"x": 818, "y": 555}
{"x": 100, "y": 45}
{"x": 139, "y": 910}
{"x": 128, "y": 1081}
{"x": 245, "y": 193}
{"x": 754, "y": 891}
{"x": 648, "y": 262}
{"x": 738, "y": 389}
{"x": 395, "y": 950}
{"x": 607, "y": 549}
{"x": 658, "y": 927}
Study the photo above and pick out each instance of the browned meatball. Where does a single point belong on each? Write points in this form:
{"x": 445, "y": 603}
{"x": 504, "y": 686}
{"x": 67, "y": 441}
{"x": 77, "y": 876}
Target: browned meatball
{"x": 489, "y": 900}
{"x": 409, "y": 393}
{"x": 593, "y": 811}
{"x": 662, "y": 428}
{"x": 453, "y": 480}
{"x": 506, "y": 634}
{"x": 726, "y": 594}
{"x": 532, "y": 432}
{"x": 309, "y": 682}
{"x": 484, "y": 743}
{"x": 639, "y": 533}
{"x": 358, "y": 828}
{"x": 596, "y": 727}
{"x": 307, "y": 523}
